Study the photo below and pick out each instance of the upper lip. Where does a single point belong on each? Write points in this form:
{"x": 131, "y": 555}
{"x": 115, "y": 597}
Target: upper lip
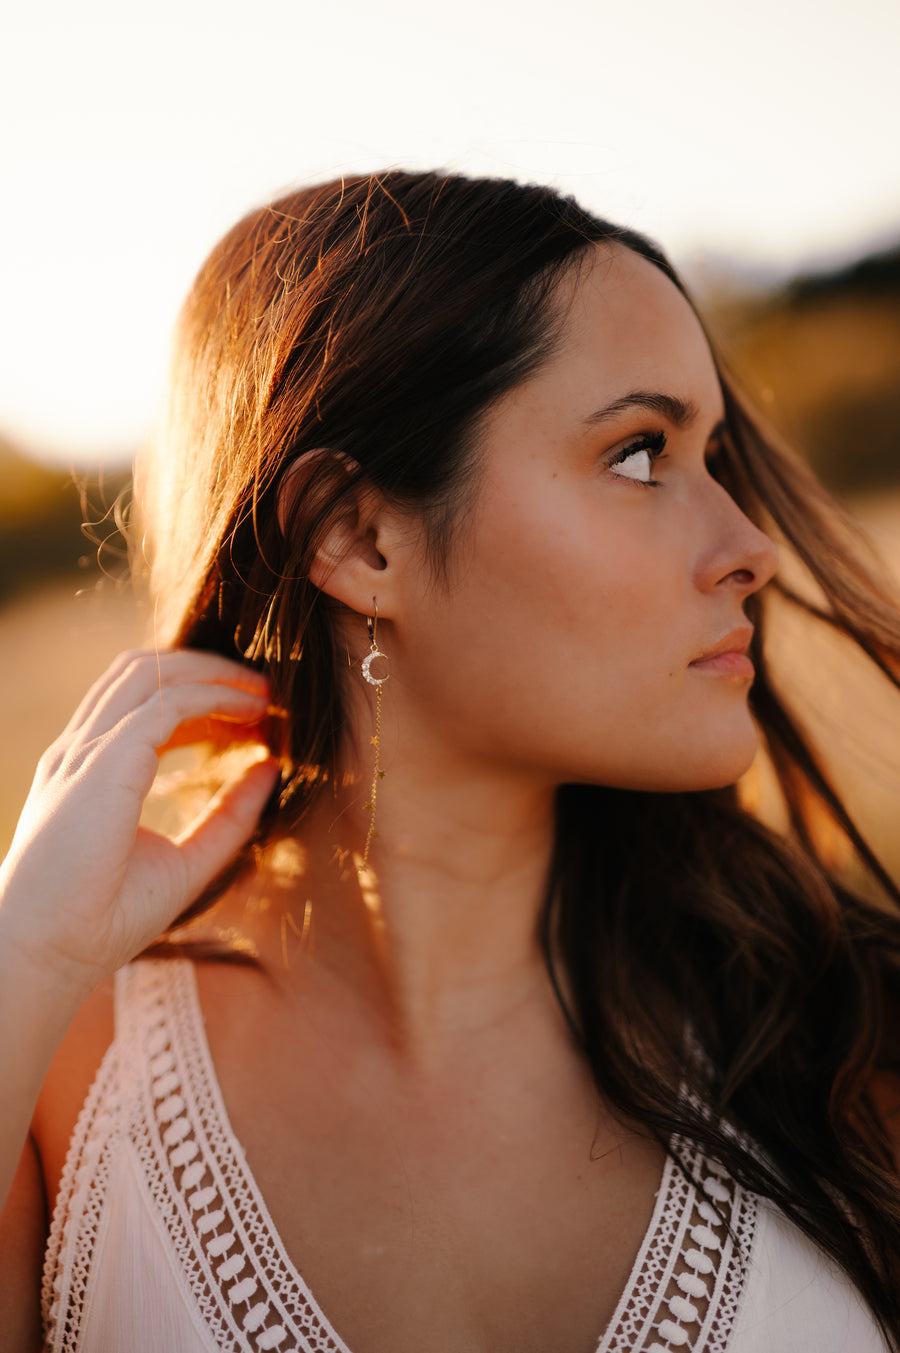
{"x": 738, "y": 641}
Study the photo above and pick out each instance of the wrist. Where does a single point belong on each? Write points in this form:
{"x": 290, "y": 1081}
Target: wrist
{"x": 37, "y": 977}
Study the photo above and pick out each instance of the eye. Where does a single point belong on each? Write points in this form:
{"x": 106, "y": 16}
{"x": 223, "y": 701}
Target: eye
{"x": 635, "y": 464}
{"x": 635, "y": 461}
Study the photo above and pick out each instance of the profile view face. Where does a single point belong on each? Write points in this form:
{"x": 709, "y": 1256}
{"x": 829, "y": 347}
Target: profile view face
{"x": 592, "y": 626}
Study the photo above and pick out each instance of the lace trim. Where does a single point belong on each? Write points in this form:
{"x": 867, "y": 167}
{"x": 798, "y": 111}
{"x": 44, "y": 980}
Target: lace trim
{"x": 246, "y": 1288}
{"x": 682, "y": 1296}
{"x": 79, "y": 1206}
{"x": 687, "y": 1280}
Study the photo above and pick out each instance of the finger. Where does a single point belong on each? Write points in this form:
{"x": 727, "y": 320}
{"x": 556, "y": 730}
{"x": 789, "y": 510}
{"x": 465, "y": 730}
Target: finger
{"x": 137, "y": 674}
{"x": 220, "y": 733}
{"x": 131, "y": 750}
{"x": 150, "y": 675}
{"x": 95, "y": 693}
{"x": 225, "y": 824}
{"x": 127, "y": 756}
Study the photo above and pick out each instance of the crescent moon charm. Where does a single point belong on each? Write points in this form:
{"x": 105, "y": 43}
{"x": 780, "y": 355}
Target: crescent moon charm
{"x": 366, "y": 666}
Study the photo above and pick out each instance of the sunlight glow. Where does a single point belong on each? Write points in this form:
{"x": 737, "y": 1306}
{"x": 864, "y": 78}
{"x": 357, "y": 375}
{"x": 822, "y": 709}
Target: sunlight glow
{"x": 134, "y": 137}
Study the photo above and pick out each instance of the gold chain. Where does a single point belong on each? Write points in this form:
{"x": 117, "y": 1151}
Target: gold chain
{"x": 377, "y": 772}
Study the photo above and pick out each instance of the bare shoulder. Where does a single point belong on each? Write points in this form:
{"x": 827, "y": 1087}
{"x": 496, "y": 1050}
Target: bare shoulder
{"x": 68, "y": 1082}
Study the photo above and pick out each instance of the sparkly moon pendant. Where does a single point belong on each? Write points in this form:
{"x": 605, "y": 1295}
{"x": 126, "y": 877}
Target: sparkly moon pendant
{"x": 366, "y": 666}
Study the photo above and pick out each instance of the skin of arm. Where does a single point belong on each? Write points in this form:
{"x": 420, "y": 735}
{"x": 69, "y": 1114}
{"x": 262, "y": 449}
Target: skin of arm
{"x": 23, "y": 1226}
{"x": 35, "y": 1012}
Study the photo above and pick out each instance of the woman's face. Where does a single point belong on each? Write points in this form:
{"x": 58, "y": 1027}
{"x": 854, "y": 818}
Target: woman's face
{"x": 599, "y": 564}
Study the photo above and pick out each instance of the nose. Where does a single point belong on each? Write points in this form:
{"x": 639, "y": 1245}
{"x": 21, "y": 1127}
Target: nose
{"x": 738, "y": 555}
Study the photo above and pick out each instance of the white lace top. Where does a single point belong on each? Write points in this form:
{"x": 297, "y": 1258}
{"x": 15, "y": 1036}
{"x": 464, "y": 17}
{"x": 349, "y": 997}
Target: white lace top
{"x": 162, "y": 1243}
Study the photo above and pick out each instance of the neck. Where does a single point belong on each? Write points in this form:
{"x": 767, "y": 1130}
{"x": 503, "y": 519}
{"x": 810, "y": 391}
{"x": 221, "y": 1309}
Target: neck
{"x": 437, "y": 937}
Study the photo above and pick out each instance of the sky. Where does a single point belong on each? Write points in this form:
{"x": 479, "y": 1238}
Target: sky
{"x": 763, "y": 135}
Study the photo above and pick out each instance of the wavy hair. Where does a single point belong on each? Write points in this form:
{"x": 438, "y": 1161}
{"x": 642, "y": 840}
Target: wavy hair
{"x": 381, "y": 317}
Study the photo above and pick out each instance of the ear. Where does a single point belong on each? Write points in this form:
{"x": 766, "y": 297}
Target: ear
{"x": 356, "y": 560}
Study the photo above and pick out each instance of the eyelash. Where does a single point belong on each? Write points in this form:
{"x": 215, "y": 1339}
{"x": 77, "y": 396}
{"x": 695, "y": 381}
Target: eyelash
{"x": 652, "y": 442}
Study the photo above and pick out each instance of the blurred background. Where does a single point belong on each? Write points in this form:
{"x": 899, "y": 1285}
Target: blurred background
{"x": 756, "y": 144}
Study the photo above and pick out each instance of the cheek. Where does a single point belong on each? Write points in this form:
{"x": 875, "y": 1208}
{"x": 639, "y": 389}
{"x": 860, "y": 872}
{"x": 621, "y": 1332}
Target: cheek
{"x": 581, "y": 580}
{"x": 562, "y": 644}
{"x": 568, "y": 605}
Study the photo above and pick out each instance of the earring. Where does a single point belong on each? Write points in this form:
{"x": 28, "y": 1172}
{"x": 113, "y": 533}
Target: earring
{"x": 377, "y": 682}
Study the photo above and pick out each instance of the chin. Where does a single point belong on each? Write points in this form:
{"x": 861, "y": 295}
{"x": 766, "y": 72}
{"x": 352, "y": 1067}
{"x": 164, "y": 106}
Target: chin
{"x": 713, "y": 757}
{"x": 709, "y": 756}
{"x": 725, "y": 764}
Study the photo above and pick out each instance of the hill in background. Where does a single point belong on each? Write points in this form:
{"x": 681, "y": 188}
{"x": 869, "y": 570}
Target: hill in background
{"x": 822, "y": 358}
{"x": 54, "y": 523}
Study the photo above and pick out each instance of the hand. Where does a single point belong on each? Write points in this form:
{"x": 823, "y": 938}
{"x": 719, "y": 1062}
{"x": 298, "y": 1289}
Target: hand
{"x": 84, "y": 887}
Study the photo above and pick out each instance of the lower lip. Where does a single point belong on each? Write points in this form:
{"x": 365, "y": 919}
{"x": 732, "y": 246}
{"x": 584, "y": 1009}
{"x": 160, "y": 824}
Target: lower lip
{"x": 727, "y": 664}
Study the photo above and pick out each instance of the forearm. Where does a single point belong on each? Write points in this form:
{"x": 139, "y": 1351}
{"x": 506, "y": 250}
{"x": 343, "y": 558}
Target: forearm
{"x": 36, "y": 1009}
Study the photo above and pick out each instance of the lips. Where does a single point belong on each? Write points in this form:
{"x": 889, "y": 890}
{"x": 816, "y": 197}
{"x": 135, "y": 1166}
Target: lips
{"x": 729, "y": 656}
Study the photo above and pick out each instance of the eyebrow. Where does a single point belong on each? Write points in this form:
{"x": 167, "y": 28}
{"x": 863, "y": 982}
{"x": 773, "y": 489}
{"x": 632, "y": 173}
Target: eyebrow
{"x": 680, "y": 412}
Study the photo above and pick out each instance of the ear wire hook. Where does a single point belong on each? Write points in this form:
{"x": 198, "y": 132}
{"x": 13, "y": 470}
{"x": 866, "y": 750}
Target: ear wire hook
{"x": 374, "y": 651}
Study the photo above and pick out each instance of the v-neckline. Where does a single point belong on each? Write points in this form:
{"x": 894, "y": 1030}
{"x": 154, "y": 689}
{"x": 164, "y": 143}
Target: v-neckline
{"x": 645, "y": 1272}
{"x": 270, "y": 1235}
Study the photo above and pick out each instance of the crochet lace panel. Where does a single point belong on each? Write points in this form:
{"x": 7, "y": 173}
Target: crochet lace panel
{"x": 156, "y": 1089}
{"x": 689, "y": 1274}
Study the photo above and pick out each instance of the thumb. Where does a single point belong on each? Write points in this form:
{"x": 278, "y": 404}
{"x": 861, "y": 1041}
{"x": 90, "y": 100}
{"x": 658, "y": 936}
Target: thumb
{"x": 225, "y": 824}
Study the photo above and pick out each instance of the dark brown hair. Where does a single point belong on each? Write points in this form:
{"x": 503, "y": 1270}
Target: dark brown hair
{"x": 381, "y": 317}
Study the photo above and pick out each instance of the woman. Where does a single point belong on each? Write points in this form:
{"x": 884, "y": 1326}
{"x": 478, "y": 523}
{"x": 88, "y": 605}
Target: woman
{"x": 536, "y": 1038}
